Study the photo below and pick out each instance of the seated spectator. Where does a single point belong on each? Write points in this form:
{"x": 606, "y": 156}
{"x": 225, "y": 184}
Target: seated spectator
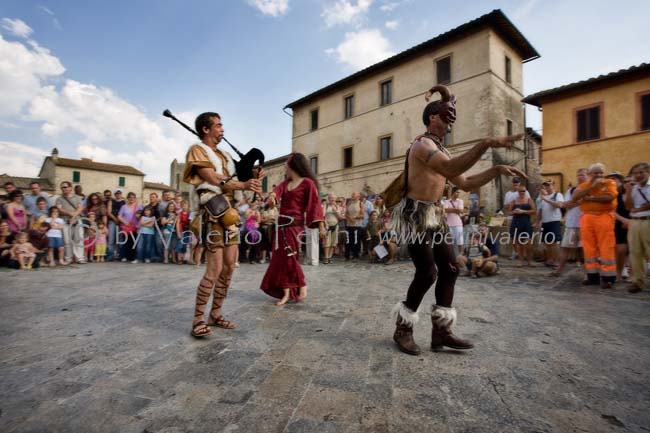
{"x": 22, "y": 251}
{"x": 6, "y": 240}
{"x": 477, "y": 258}
{"x": 38, "y": 238}
{"x": 388, "y": 238}
{"x": 487, "y": 239}
{"x": 372, "y": 234}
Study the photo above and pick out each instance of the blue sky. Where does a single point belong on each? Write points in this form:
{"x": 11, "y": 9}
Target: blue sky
{"x": 92, "y": 77}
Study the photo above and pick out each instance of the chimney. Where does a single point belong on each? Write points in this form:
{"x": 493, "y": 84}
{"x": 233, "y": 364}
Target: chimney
{"x": 55, "y": 153}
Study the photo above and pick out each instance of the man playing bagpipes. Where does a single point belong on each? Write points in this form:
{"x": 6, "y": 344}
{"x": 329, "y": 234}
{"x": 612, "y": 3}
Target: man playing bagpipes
{"x": 210, "y": 171}
{"x": 418, "y": 219}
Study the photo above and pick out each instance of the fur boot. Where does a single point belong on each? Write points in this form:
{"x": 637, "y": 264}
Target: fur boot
{"x": 442, "y": 319}
{"x": 403, "y": 336}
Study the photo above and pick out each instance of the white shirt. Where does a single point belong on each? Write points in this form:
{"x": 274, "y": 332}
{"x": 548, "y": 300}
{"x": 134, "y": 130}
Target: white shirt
{"x": 54, "y": 233}
{"x": 549, "y": 212}
{"x": 511, "y": 196}
{"x": 638, "y": 200}
{"x": 572, "y": 215}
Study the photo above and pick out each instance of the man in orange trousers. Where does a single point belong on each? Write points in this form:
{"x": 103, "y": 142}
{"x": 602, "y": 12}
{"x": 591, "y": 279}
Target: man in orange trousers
{"x": 597, "y": 198}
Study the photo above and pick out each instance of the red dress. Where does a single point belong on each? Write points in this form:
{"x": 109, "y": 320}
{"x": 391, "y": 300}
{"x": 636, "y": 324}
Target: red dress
{"x": 303, "y": 205}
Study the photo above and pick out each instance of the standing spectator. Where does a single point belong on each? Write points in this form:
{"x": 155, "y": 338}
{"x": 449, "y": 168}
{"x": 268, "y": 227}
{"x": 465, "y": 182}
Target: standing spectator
{"x": 100, "y": 242}
{"x": 55, "y": 237}
{"x": 178, "y": 199}
{"x": 70, "y": 207}
{"x": 114, "y": 224}
{"x": 343, "y": 234}
{"x": 182, "y": 229}
{"x": 571, "y": 237}
{"x": 168, "y": 222}
{"x": 79, "y": 191}
{"x": 9, "y": 187}
{"x": 550, "y": 221}
{"x": 621, "y": 224}
{"x": 162, "y": 205}
{"x": 16, "y": 213}
{"x": 367, "y": 210}
{"x": 3, "y": 207}
{"x": 510, "y": 196}
{"x": 146, "y": 236}
{"x": 379, "y": 205}
{"x": 41, "y": 212}
{"x": 598, "y": 202}
{"x": 38, "y": 238}
{"x": 251, "y": 238}
{"x": 157, "y": 249}
{"x": 269, "y": 215}
{"x": 332, "y": 215}
{"x": 128, "y": 226}
{"x": 637, "y": 201}
{"x": 95, "y": 205}
{"x": 454, "y": 213}
{"x": 30, "y": 200}
{"x": 521, "y": 229}
{"x": 354, "y": 214}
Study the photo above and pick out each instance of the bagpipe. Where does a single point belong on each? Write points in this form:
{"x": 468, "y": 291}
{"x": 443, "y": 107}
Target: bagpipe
{"x": 247, "y": 162}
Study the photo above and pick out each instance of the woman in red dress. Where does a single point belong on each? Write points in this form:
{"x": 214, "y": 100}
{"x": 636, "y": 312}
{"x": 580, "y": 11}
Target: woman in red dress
{"x": 299, "y": 207}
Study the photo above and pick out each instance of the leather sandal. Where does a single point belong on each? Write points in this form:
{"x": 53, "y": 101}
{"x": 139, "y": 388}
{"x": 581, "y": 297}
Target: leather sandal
{"x": 200, "y": 330}
{"x": 220, "y": 322}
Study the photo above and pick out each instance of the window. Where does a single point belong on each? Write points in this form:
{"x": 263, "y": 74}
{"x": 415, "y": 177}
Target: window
{"x": 314, "y": 120}
{"x": 645, "y": 112}
{"x": 349, "y": 106}
{"x": 121, "y": 181}
{"x": 443, "y": 70}
{"x": 265, "y": 184}
{"x": 384, "y": 148}
{"x": 313, "y": 163}
{"x": 76, "y": 176}
{"x": 508, "y": 127}
{"x": 508, "y": 70}
{"x": 588, "y": 124}
{"x": 386, "y": 92}
{"x": 347, "y": 157}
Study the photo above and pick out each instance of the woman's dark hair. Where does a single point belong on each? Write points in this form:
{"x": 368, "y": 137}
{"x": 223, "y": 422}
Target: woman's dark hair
{"x": 299, "y": 164}
{"x": 147, "y": 208}
{"x": 52, "y": 209}
{"x": 171, "y": 203}
{"x": 15, "y": 193}
{"x": 131, "y": 194}
{"x": 204, "y": 120}
{"x": 90, "y": 198}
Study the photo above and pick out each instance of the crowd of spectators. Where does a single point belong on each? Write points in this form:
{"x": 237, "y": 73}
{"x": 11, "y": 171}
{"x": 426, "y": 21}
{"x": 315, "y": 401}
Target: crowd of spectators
{"x": 36, "y": 229}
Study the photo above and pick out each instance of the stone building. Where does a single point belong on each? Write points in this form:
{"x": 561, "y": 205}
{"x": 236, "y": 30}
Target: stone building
{"x": 356, "y": 131}
{"x": 91, "y": 175}
{"x": 274, "y": 169}
{"x": 603, "y": 119}
{"x": 176, "y": 179}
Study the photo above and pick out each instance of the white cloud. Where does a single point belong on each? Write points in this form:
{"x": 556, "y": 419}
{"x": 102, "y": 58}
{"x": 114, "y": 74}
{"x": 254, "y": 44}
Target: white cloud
{"x": 17, "y": 27}
{"x": 524, "y": 9}
{"x": 274, "y": 8}
{"x": 20, "y": 159}
{"x": 345, "y": 12}
{"x": 95, "y": 120}
{"x": 392, "y": 25}
{"x": 388, "y": 7}
{"x": 22, "y": 70}
{"x": 55, "y": 20}
{"x": 362, "y": 48}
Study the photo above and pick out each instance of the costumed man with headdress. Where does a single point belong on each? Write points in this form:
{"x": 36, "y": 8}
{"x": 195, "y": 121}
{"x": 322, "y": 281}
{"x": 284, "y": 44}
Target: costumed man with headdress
{"x": 418, "y": 218}
{"x": 211, "y": 171}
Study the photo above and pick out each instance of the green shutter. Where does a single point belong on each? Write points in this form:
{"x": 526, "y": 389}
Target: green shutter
{"x": 122, "y": 181}
{"x": 76, "y": 177}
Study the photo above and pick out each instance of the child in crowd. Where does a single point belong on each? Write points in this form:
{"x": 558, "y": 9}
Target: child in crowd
{"x": 146, "y": 237}
{"x": 169, "y": 233}
{"x": 89, "y": 237}
{"x": 100, "y": 242}
{"x": 55, "y": 236}
{"x": 23, "y": 251}
{"x": 39, "y": 215}
{"x": 388, "y": 237}
{"x": 182, "y": 225}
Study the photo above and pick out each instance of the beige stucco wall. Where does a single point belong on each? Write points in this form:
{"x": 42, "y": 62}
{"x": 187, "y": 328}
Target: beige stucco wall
{"x": 274, "y": 174}
{"x": 485, "y": 100}
{"x": 97, "y": 181}
{"x": 144, "y": 198}
{"x": 621, "y": 145}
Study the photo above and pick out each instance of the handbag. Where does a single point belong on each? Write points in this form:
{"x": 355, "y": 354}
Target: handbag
{"x": 217, "y": 206}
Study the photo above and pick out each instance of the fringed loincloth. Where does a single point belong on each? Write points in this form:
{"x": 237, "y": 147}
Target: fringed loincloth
{"x": 416, "y": 216}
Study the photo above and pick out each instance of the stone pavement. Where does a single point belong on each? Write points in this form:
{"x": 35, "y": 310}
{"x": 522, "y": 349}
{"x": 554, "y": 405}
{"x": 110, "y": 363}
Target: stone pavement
{"x": 106, "y": 348}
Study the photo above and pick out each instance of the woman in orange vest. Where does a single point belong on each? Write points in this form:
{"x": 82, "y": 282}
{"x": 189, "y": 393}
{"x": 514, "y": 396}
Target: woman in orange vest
{"x": 597, "y": 198}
